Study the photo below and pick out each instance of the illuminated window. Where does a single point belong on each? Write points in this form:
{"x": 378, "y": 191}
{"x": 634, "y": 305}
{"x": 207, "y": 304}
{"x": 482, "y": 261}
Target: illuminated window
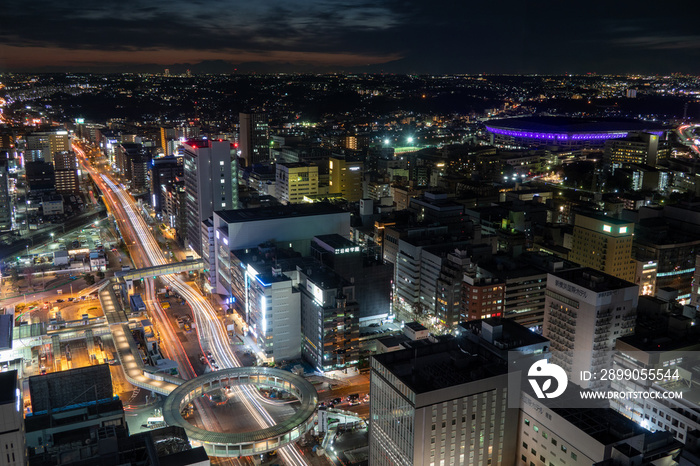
{"x": 607, "y": 228}
{"x": 623, "y": 229}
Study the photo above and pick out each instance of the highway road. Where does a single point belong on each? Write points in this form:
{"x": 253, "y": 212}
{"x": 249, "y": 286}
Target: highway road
{"x": 688, "y": 137}
{"x": 212, "y": 333}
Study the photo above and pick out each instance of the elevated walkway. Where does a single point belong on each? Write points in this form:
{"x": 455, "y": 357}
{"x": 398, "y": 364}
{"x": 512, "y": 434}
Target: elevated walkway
{"x": 226, "y": 444}
{"x": 175, "y": 267}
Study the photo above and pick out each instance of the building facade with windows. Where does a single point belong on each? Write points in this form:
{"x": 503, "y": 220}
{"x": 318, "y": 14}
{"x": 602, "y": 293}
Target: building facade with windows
{"x": 207, "y": 167}
{"x": 585, "y": 312}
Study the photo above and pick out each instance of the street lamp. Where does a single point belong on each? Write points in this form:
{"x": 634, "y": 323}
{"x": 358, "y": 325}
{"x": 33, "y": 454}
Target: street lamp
{"x": 52, "y": 237}
{"x": 410, "y": 139}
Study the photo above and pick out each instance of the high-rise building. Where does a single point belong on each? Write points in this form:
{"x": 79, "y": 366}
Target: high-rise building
{"x": 292, "y": 226}
{"x": 638, "y": 148}
{"x": 483, "y": 294}
{"x": 293, "y": 181}
{"x": 12, "y": 445}
{"x": 574, "y": 436}
{"x": 360, "y": 267}
{"x": 273, "y": 310}
{"x": 43, "y": 145}
{"x": 345, "y": 177}
{"x": 5, "y": 204}
{"x": 446, "y": 403}
{"x": 164, "y": 172}
{"x": 670, "y": 352}
{"x": 167, "y": 134}
{"x": 672, "y": 250}
{"x": 585, "y": 312}
{"x": 207, "y": 167}
{"x": 67, "y": 181}
{"x": 254, "y": 137}
{"x": 175, "y": 210}
{"x": 605, "y": 244}
{"x": 330, "y": 319}
{"x": 40, "y": 176}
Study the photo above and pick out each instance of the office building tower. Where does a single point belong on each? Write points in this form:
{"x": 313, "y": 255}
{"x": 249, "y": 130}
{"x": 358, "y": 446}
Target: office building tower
{"x": 638, "y": 148}
{"x": 207, "y": 167}
{"x": 360, "y": 267}
{"x": 274, "y": 312}
{"x": 175, "y": 210}
{"x": 446, "y": 403}
{"x": 585, "y": 312}
{"x": 294, "y": 181}
{"x": 66, "y": 173}
{"x": 40, "y": 177}
{"x": 132, "y": 161}
{"x": 254, "y": 137}
{"x": 330, "y": 320}
{"x": 601, "y": 437}
{"x": 672, "y": 252}
{"x": 345, "y": 177}
{"x": 605, "y": 244}
{"x": 448, "y": 301}
{"x": 673, "y": 351}
{"x": 483, "y": 294}
{"x": 167, "y": 134}
{"x": 419, "y": 262}
{"x": 164, "y": 172}
{"x": 43, "y": 145}
{"x": 12, "y": 446}
{"x": 5, "y": 204}
{"x": 291, "y": 226}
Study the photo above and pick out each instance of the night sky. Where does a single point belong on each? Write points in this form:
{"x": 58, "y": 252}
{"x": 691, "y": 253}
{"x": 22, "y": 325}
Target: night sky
{"x": 393, "y": 36}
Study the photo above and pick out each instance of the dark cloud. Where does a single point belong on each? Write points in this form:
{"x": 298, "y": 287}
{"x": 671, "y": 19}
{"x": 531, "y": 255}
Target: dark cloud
{"x": 438, "y": 36}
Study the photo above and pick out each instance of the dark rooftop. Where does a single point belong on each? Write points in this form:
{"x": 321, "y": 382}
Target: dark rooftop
{"x": 335, "y": 241}
{"x": 603, "y": 218}
{"x": 415, "y": 326}
{"x": 324, "y": 277}
{"x": 593, "y": 280}
{"x": 605, "y": 425}
{"x": 437, "y": 366}
{"x": 275, "y": 212}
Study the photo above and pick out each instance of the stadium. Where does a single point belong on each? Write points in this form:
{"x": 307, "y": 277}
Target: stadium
{"x": 565, "y": 131}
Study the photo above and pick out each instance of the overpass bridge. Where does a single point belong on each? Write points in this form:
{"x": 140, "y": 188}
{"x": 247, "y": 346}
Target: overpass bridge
{"x": 156, "y": 270}
{"x": 179, "y": 392}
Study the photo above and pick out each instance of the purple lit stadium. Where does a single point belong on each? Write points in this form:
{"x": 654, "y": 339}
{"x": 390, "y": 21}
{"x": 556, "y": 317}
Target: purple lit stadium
{"x": 564, "y": 131}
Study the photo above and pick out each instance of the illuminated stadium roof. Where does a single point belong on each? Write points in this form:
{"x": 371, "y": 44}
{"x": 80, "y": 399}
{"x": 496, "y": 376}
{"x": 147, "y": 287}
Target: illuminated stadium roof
{"x": 562, "y": 129}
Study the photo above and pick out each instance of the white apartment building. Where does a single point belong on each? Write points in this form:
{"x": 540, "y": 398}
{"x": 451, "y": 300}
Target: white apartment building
{"x": 585, "y": 312}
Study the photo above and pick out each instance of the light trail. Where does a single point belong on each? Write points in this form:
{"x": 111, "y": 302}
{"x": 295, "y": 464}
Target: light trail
{"x": 211, "y": 331}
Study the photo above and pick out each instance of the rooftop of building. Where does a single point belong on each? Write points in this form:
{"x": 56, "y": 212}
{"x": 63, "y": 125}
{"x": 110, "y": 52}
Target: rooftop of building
{"x": 268, "y": 278}
{"x": 437, "y": 366}
{"x": 604, "y": 425}
{"x": 45, "y": 420}
{"x": 296, "y": 164}
{"x": 278, "y": 212}
{"x": 662, "y": 341}
{"x": 507, "y": 333}
{"x": 415, "y": 326}
{"x": 593, "y": 280}
{"x": 603, "y": 218}
{"x": 8, "y": 387}
{"x": 324, "y": 277}
{"x": 335, "y": 241}
{"x": 480, "y": 351}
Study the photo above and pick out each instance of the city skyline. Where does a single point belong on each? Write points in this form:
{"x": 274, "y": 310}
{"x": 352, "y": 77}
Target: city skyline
{"x": 314, "y": 36}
